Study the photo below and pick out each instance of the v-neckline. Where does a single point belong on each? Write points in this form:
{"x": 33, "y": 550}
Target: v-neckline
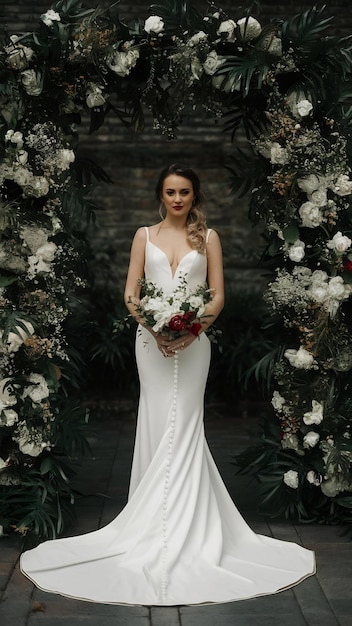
{"x": 167, "y": 258}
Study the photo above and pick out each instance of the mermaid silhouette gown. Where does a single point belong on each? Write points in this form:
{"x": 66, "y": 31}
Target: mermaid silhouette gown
{"x": 180, "y": 538}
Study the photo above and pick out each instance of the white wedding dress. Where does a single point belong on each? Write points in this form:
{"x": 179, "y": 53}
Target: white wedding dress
{"x": 180, "y": 538}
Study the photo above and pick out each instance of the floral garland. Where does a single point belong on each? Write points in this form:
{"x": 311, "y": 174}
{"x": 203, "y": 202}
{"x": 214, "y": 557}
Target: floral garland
{"x": 287, "y": 86}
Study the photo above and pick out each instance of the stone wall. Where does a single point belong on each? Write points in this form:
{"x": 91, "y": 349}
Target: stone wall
{"x": 133, "y": 162}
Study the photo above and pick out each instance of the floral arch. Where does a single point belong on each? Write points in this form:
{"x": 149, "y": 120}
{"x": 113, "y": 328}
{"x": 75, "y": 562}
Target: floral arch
{"x": 288, "y": 84}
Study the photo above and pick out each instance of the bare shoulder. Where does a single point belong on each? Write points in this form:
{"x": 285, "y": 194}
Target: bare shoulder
{"x": 213, "y": 240}
{"x": 140, "y": 235}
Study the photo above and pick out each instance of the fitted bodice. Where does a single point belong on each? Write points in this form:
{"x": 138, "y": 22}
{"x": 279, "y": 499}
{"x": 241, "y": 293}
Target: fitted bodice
{"x": 157, "y": 268}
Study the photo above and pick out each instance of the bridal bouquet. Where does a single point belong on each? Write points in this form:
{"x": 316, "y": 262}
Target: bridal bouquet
{"x": 173, "y": 312}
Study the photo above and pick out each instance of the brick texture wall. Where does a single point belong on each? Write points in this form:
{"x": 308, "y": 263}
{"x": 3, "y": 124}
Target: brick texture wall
{"x": 133, "y": 162}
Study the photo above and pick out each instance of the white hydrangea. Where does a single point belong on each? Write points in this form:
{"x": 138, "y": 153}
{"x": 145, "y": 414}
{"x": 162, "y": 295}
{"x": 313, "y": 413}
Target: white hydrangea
{"x": 278, "y": 401}
{"x": 278, "y": 154}
{"x": 32, "y": 81}
{"x": 311, "y": 439}
{"x": 290, "y": 479}
{"x": 300, "y": 359}
{"x": 315, "y": 416}
{"x": 154, "y": 24}
{"x": 50, "y": 17}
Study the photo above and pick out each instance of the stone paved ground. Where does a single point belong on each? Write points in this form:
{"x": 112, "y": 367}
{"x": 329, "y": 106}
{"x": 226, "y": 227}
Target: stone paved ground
{"x": 323, "y": 600}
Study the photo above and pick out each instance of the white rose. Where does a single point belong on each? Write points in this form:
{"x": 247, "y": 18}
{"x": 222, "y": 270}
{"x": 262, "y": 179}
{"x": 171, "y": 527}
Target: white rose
{"x": 212, "y": 63}
{"x": 32, "y": 82}
{"x": 290, "y": 479}
{"x": 154, "y": 24}
{"x": 94, "y": 95}
{"x": 340, "y": 243}
{"x": 310, "y": 183}
{"x": 15, "y": 137}
{"x": 310, "y": 215}
{"x": 249, "y": 28}
{"x": 311, "y": 439}
{"x": 195, "y": 39}
{"x": 319, "y": 293}
{"x": 337, "y": 288}
{"x": 227, "y": 28}
{"x": 18, "y": 56}
{"x": 38, "y": 390}
{"x": 22, "y": 176}
{"x": 301, "y": 359}
{"x": 22, "y": 157}
{"x": 31, "y": 448}
{"x": 315, "y": 416}
{"x": 319, "y": 276}
{"x": 50, "y": 17}
{"x": 278, "y": 401}
{"x": 65, "y": 157}
{"x": 296, "y": 251}
{"x": 122, "y": 62}
{"x": 319, "y": 197}
{"x": 304, "y": 107}
{"x": 343, "y": 186}
{"x": 278, "y": 154}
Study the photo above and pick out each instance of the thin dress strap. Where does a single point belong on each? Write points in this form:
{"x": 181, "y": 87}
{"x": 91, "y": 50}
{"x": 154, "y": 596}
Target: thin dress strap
{"x": 208, "y": 235}
{"x": 147, "y": 232}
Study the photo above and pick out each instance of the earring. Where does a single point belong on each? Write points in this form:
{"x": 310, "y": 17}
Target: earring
{"x": 161, "y": 210}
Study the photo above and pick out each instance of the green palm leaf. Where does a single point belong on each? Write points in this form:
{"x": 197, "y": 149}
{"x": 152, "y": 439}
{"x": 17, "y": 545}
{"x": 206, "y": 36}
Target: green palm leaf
{"x": 304, "y": 27}
{"x": 248, "y": 170}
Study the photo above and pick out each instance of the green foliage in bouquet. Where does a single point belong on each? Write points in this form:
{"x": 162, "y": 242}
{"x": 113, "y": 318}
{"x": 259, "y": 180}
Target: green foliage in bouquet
{"x": 288, "y": 85}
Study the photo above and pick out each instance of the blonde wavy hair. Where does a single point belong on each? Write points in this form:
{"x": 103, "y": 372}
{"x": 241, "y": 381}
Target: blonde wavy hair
{"x": 196, "y": 225}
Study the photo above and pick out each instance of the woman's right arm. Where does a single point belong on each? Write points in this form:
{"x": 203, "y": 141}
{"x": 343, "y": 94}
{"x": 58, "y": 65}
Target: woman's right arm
{"x": 135, "y": 273}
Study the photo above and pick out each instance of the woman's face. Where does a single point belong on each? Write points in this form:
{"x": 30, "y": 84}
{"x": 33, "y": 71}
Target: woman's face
{"x": 177, "y": 195}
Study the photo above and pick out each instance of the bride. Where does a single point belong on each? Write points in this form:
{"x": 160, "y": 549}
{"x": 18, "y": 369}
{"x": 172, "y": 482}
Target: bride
{"x": 180, "y": 538}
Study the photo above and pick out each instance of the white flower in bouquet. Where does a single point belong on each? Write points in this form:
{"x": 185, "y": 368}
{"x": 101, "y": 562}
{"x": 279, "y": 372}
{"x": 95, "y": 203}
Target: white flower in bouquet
{"x": 94, "y": 95}
{"x": 296, "y": 251}
{"x": 290, "y": 479}
{"x": 212, "y": 63}
{"x": 318, "y": 277}
{"x": 299, "y": 105}
{"x": 339, "y": 243}
{"x": 249, "y": 28}
{"x": 319, "y": 292}
{"x": 18, "y": 55}
{"x": 343, "y": 185}
{"x": 47, "y": 251}
{"x": 32, "y": 81}
{"x": 197, "y": 38}
{"x": 122, "y": 62}
{"x": 311, "y": 439}
{"x": 315, "y": 416}
{"x": 332, "y": 487}
{"x": 310, "y": 215}
{"x": 16, "y": 339}
{"x": 227, "y": 30}
{"x": 300, "y": 359}
{"x": 278, "y": 154}
{"x": 278, "y": 401}
{"x": 22, "y": 157}
{"x": 313, "y": 479}
{"x": 197, "y": 303}
{"x": 64, "y": 158}
{"x": 154, "y": 24}
{"x": 38, "y": 390}
{"x": 22, "y": 176}
{"x": 50, "y": 17}
{"x": 319, "y": 197}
